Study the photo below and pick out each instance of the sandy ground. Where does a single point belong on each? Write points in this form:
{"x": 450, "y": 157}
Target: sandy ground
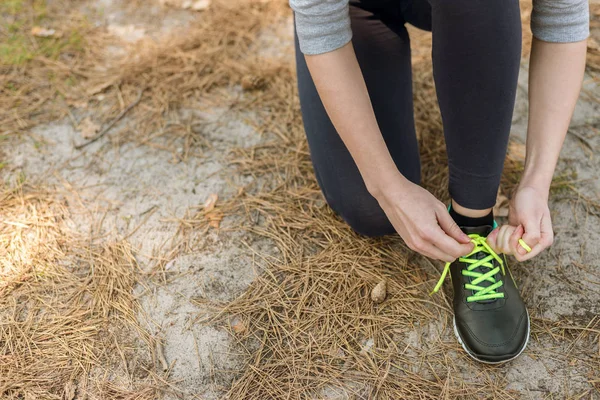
{"x": 140, "y": 192}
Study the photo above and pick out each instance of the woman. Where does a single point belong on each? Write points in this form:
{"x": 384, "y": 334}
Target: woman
{"x": 354, "y": 77}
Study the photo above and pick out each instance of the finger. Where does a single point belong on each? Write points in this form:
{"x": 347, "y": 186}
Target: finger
{"x": 424, "y": 242}
{"x": 537, "y": 249}
{"x": 438, "y": 253}
{"x": 546, "y": 239}
{"x": 524, "y": 246}
{"x": 449, "y": 226}
{"x": 502, "y": 241}
{"x": 547, "y": 232}
{"x": 430, "y": 251}
{"x": 429, "y": 255}
{"x": 492, "y": 239}
{"x": 532, "y": 233}
{"x": 450, "y": 246}
{"x": 514, "y": 241}
{"x": 531, "y": 236}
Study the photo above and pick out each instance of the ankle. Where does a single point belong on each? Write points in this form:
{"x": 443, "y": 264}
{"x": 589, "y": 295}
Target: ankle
{"x": 471, "y": 218}
{"x": 469, "y": 212}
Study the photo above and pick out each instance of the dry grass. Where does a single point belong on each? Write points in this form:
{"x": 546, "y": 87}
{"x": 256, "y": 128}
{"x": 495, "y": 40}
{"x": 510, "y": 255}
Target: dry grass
{"x": 593, "y": 59}
{"x": 68, "y": 322}
{"x": 41, "y": 77}
{"x": 307, "y": 323}
{"x": 205, "y": 62}
{"x": 308, "y": 319}
{"x": 81, "y": 75}
{"x": 69, "y": 325}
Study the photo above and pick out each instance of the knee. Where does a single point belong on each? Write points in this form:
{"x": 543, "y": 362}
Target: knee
{"x": 364, "y": 216}
{"x": 367, "y": 223}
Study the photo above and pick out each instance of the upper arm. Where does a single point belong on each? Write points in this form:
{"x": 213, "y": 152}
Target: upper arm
{"x": 321, "y": 25}
{"x": 560, "y": 21}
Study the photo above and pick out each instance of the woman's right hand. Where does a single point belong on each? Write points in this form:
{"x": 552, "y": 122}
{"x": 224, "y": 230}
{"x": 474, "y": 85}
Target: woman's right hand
{"x": 423, "y": 221}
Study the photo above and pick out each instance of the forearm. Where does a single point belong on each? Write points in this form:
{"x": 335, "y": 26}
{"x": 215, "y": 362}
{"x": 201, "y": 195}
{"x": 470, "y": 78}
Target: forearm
{"x": 555, "y": 76}
{"x": 342, "y": 90}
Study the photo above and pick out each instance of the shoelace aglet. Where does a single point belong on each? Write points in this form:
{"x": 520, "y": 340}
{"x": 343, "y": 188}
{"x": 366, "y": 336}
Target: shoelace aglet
{"x": 525, "y": 245}
{"x": 441, "y": 280}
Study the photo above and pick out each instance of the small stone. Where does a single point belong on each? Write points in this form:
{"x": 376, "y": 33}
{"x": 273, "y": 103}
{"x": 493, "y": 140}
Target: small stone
{"x": 251, "y": 82}
{"x": 238, "y": 326}
{"x": 38, "y": 31}
{"x": 200, "y": 5}
{"x": 170, "y": 265}
{"x": 88, "y": 128}
{"x": 210, "y": 202}
{"x": 367, "y": 346}
{"x": 379, "y": 292}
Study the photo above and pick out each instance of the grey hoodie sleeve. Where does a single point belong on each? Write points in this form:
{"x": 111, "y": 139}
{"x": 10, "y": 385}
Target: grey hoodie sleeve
{"x": 321, "y": 25}
{"x": 324, "y": 25}
{"x": 560, "y": 21}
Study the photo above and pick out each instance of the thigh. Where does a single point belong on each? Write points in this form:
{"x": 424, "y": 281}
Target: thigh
{"x": 383, "y": 51}
{"x": 417, "y": 13}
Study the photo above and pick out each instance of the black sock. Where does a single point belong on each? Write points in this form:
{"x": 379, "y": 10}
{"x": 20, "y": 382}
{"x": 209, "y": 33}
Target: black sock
{"x": 461, "y": 220}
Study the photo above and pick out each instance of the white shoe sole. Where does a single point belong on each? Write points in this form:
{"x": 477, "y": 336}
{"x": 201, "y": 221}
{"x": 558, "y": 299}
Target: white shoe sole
{"x": 490, "y": 362}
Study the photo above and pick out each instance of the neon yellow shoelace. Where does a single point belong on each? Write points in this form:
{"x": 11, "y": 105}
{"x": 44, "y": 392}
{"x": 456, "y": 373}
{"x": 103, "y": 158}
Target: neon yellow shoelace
{"x": 479, "y": 292}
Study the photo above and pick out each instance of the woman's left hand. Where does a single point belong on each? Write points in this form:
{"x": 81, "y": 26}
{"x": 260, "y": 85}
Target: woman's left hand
{"x": 529, "y": 220}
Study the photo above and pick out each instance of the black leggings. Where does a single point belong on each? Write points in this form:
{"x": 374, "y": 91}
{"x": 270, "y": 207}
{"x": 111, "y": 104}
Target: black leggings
{"x": 476, "y": 56}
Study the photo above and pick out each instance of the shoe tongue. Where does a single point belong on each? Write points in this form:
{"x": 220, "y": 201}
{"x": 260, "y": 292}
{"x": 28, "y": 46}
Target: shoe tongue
{"x": 482, "y": 230}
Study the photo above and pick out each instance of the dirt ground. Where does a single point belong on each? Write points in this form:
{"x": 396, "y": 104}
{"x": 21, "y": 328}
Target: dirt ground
{"x": 118, "y": 188}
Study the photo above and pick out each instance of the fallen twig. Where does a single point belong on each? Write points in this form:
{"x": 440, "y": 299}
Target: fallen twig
{"x": 160, "y": 352}
{"x": 113, "y": 122}
{"x": 583, "y": 140}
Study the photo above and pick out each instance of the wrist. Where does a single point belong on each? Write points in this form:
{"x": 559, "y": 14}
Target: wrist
{"x": 386, "y": 179}
{"x": 537, "y": 174}
{"x": 537, "y": 181}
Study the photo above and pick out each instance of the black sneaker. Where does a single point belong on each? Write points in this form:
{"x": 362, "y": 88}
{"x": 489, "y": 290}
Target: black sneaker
{"x": 490, "y": 319}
